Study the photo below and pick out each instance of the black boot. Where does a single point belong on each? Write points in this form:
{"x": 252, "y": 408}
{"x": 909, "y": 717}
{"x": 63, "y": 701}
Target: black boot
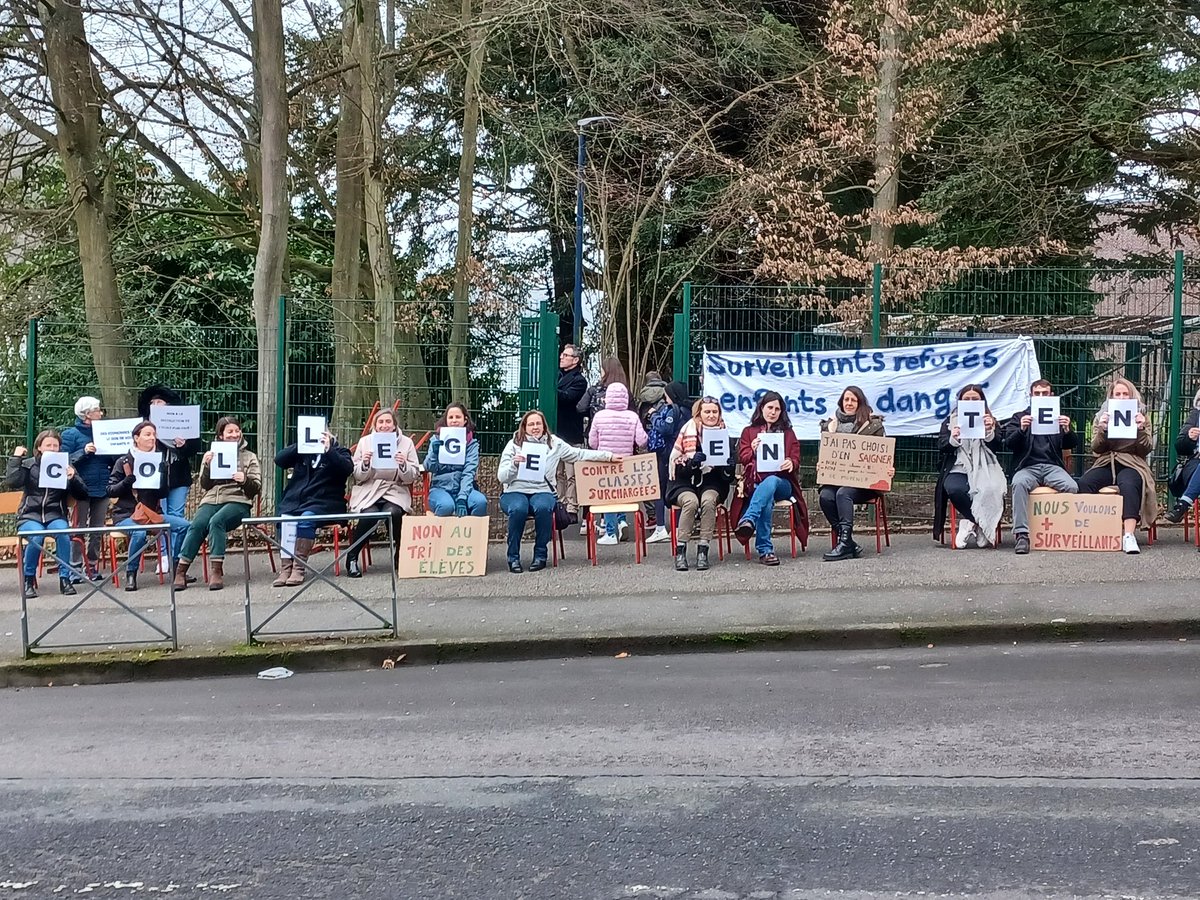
{"x": 131, "y": 579}
{"x": 65, "y": 586}
{"x": 681, "y": 557}
{"x": 702, "y": 558}
{"x": 1176, "y": 513}
{"x": 353, "y": 570}
{"x": 30, "y": 586}
{"x": 845, "y": 548}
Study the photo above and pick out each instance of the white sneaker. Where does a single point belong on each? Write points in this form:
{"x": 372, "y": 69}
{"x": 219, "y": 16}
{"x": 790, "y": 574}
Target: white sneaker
{"x": 966, "y": 529}
{"x": 622, "y": 531}
{"x": 1129, "y": 544}
{"x": 583, "y": 528}
{"x": 982, "y": 539}
{"x": 659, "y": 534}
{"x": 606, "y": 540}
{"x": 164, "y": 567}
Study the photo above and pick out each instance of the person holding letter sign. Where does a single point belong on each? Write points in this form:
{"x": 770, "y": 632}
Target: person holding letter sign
{"x": 452, "y": 486}
{"x": 143, "y": 505}
{"x": 769, "y": 475}
{"x": 528, "y": 485}
{"x": 971, "y": 476}
{"x": 661, "y": 432}
{"x": 1125, "y": 463}
{"x": 225, "y": 503}
{"x": 381, "y": 489}
{"x": 1186, "y": 483}
{"x": 44, "y": 508}
{"x": 617, "y": 429}
{"x": 699, "y": 478}
{"x": 1037, "y": 455}
{"x": 177, "y": 452}
{"x": 316, "y": 487}
{"x": 853, "y": 416}
{"x": 80, "y": 446}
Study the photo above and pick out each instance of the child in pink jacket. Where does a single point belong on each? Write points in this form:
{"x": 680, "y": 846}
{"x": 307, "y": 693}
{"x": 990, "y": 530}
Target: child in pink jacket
{"x": 617, "y": 429}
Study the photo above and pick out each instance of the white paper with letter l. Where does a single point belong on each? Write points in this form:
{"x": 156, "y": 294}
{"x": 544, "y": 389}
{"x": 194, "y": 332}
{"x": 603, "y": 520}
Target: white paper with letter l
{"x": 453, "y": 449}
{"x": 383, "y": 450}
{"x": 970, "y": 420}
{"x": 147, "y": 470}
{"x": 770, "y": 453}
{"x": 1122, "y": 419}
{"x": 52, "y": 471}
{"x": 1045, "y": 412}
{"x": 309, "y": 430}
{"x": 224, "y": 461}
{"x": 534, "y": 466}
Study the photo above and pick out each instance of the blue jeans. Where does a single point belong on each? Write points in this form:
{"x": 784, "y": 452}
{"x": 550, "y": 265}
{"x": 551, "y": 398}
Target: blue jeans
{"x": 306, "y": 529}
{"x": 770, "y": 491}
{"x": 442, "y": 504}
{"x": 175, "y": 503}
{"x": 1192, "y": 491}
{"x": 611, "y": 520}
{"x": 518, "y": 508}
{"x": 33, "y": 550}
{"x": 137, "y": 539}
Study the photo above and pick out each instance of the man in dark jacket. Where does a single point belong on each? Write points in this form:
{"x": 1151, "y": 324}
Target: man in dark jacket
{"x": 572, "y": 385}
{"x": 1037, "y": 460}
{"x": 78, "y": 443}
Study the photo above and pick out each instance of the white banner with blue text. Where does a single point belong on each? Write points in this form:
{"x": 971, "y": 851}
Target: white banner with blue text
{"x": 912, "y": 387}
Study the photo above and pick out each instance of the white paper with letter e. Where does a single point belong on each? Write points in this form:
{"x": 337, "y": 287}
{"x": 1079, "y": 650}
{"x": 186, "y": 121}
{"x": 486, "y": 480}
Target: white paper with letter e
{"x": 770, "y": 453}
{"x": 533, "y": 468}
{"x": 970, "y": 420}
{"x": 223, "y": 465}
{"x": 453, "y": 451}
{"x": 308, "y": 434}
{"x": 53, "y": 470}
{"x": 1045, "y": 413}
{"x": 715, "y": 446}
{"x": 147, "y": 471}
{"x": 383, "y": 450}
{"x": 1122, "y": 419}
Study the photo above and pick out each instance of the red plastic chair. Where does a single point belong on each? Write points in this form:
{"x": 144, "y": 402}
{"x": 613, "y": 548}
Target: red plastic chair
{"x": 724, "y": 531}
{"x": 883, "y": 536}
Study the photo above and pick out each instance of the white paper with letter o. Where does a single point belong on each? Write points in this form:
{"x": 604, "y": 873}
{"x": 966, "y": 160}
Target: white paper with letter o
{"x": 52, "y": 472}
{"x": 147, "y": 470}
{"x": 453, "y": 451}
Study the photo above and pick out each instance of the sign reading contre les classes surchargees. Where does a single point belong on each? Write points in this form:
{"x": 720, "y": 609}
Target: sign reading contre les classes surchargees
{"x": 632, "y": 480}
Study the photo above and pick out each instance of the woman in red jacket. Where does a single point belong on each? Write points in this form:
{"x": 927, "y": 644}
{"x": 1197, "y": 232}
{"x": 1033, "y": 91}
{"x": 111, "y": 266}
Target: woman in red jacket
{"x": 765, "y": 489}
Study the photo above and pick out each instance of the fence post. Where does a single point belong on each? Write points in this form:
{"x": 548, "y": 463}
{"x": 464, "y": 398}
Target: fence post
{"x": 682, "y": 346}
{"x": 1176, "y": 359}
{"x": 548, "y": 365}
{"x": 281, "y": 409}
{"x": 876, "y": 302}
{"x": 31, "y": 377}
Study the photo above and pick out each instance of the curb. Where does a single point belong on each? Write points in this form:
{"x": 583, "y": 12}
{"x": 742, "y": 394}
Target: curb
{"x": 155, "y": 666}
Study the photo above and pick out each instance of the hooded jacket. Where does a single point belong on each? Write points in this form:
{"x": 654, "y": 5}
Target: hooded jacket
{"x": 91, "y": 467}
{"x": 177, "y": 460}
{"x": 41, "y": 505}
{"x": 226, "y": 490}
{"x": 616, "y": 428}
{"x": 318, "y": 481}
{"x": 457, "y": 481}
{"x": 665, "y": 424}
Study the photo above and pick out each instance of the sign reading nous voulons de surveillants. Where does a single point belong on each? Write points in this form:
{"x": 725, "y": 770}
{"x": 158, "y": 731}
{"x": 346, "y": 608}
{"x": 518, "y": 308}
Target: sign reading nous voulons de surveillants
{"x": 1075, "y": 522}
{"x": 913, "y": 387}
{"x": 632, "y": 480}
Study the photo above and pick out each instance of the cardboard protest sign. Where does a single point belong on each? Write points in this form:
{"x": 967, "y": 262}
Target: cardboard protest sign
{"x": 1122, "y": 419}
{"x": 970, "y": 420}
{"x": 309, "y": 430}
{"x": 1075, "y": 522}
{"x": 224, "y": 460}
{"x": 442, "y": 547}
{"x": 453, "y": 451}
{"x": 52, "y": 473}
{"x": 112, "y": 437}
{"x": 176, "y": 422}
{"x": 855, "y": 460}
{"x": 533, "y": 467}
{"x": 770, "y": 453}
{"x": 632, "y": 480}
{"x": 1044, "y": 412}
{"x": 714, "y": 444}
{"x": 383, "y": 450}
{"x": 147, "y": 470}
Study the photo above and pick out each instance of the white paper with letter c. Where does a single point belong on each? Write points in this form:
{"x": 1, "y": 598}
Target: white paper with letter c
{"x": 52, "y": 471}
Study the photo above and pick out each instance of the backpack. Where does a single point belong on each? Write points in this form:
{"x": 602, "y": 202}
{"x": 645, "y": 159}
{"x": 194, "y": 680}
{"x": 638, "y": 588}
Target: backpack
{"x": 661, "y": 428}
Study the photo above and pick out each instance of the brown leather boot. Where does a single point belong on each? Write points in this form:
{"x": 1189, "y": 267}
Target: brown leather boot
{"x": 216, "y": 573}
{"x": 285, "y": 571}
{"x": 181, "y": 568}
{"x": 300, "y": 556}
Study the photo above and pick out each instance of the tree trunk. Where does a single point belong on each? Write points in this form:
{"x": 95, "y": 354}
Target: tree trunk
{"x": 271, "y": 87}
{"x": 352, "y": 333}
{"x": 460, "y": 323}
{"x": 887, "y": 150}
{"x": 78, "y": 95}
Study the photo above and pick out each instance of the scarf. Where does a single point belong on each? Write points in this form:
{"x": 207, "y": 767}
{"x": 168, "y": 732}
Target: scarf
{"x": 847, "y": 423}
{"x": 985, "y": 476}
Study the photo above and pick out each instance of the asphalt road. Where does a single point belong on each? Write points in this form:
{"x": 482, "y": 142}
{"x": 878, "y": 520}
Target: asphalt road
{"x": 1064, "y": 771}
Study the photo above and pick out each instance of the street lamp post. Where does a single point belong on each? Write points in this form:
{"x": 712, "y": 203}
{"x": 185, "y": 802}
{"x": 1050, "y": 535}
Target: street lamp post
{"x": 581, "y": 162}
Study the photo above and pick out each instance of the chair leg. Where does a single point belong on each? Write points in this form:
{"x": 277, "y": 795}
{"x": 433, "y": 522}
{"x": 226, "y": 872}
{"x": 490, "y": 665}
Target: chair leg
{"x": 671, "y": 511}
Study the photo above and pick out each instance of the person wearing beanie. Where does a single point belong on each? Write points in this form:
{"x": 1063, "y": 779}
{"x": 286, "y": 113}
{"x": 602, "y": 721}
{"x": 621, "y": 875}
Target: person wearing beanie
{"x": 93, "y": 469}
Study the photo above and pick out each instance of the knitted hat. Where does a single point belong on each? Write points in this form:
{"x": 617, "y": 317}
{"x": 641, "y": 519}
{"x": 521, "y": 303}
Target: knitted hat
{"x": 85, "y": 405}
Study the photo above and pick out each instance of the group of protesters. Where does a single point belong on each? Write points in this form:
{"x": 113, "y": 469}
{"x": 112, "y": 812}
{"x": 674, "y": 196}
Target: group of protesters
{"x": 604, "y": 421}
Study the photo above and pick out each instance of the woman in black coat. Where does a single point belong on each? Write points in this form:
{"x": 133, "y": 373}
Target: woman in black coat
{"x": 317, "y": 487}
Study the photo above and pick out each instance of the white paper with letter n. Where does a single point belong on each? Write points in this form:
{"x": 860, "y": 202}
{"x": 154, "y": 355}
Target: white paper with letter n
{"x": 1122, "y": 419}
{"x": 970, "y": 420}
{"x": 52, "y": 472}
{"x": 453, "y": 451}
{"x": 308, "y": 434}
{"x": 147, "y": 470}
{"x": 224, "y": 461}
{"x": 1045, "y": 412}
{"x": 714, "y": 444}
{"x": 770, "y": 454}
{"x": 533, "y": 468}
{"x": 383, "y": 450}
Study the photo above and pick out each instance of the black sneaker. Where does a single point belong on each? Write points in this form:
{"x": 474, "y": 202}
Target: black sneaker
{"x": 1178, "y": 512}
{"x": 1022, "y": 544}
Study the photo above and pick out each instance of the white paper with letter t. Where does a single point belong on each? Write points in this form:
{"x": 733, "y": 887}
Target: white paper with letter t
{"x": 970, "y": 420}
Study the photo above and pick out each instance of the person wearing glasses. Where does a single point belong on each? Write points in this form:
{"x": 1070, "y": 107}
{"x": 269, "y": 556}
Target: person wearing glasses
{"x": 572, "y": 385}
{"x": 93, "y": 469}
{"x": 697, "y": 487}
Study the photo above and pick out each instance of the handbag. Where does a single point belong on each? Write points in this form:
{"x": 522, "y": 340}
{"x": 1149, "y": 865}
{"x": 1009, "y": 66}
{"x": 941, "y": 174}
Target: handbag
{"x": 562, "y": 518}
{"x": 145, "y": 515}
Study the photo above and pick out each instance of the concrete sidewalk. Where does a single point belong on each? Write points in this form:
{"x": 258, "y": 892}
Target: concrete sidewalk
{"x": 915, "y": 591}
